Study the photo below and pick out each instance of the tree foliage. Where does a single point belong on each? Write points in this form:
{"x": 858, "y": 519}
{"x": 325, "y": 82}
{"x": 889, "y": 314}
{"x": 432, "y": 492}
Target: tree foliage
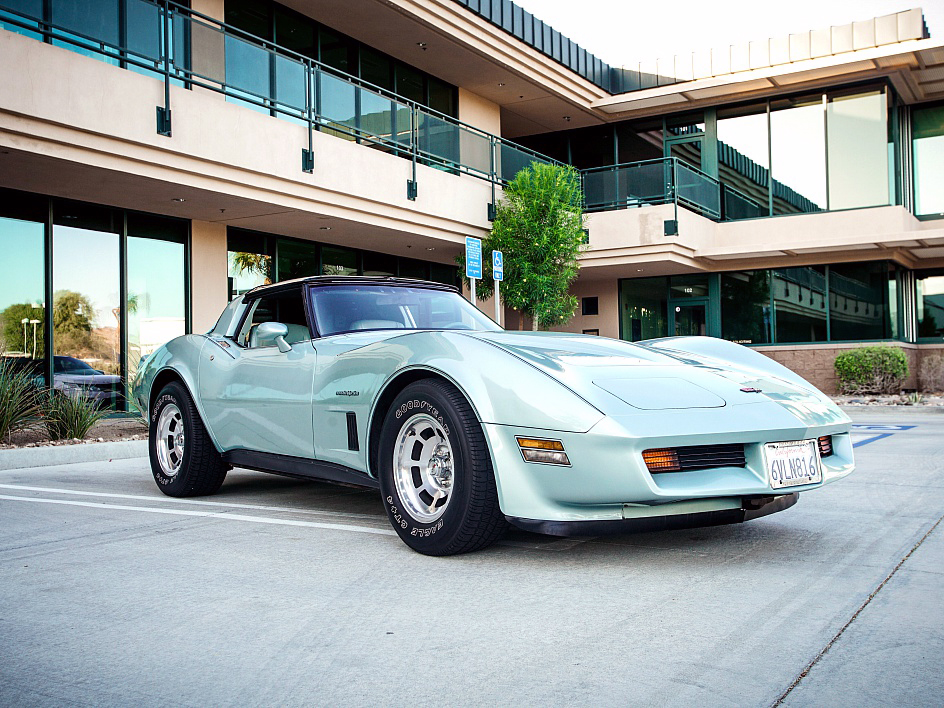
{"x": 538, "y": 228}
{"x": 258, "y": 263}
{"x": 11, "y": 329}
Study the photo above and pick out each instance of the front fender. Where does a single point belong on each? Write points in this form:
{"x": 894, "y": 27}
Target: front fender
{"x": 502, "y": 389}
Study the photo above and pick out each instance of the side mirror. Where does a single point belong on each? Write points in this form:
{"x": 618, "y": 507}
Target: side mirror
{"x": 274, "y": 331}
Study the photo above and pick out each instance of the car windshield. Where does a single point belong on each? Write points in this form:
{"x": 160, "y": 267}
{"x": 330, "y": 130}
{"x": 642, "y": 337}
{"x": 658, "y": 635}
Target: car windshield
{"x": 350, "y": 308}
{"x": 68, "y": 365}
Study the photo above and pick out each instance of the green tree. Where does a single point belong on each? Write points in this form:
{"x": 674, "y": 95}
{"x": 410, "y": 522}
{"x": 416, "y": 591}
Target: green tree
{"x": 11, "y": 329}
{"x": 72, "y": 312}
{"x": 538, "y": 228}
{"x": 254, "y": 263}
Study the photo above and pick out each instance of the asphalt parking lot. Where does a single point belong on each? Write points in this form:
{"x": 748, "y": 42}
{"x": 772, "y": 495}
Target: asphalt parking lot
{"x": 282, "y": 592}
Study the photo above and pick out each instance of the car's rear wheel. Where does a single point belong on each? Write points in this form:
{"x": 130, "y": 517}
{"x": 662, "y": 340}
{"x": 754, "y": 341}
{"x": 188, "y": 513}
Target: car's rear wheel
{"x": 436, "y": 472}
{"x": 184, "y": 461}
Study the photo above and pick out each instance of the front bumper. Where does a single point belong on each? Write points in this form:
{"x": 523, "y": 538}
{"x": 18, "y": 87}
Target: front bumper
{"x": 608, "y": 480}
{"x": 749, "y": 508}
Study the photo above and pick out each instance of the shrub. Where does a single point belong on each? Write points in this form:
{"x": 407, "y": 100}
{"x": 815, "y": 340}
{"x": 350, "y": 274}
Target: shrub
{"x": 19, "y": 398}
{"x": 68, "y": 416}
{"x": 878, "y": 369}
{"x": 931, "y": 373}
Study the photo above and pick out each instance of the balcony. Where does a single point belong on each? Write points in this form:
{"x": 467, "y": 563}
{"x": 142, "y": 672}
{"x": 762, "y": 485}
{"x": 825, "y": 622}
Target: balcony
{"x": 668, "y": 180}
{"x": 187, "y": 49}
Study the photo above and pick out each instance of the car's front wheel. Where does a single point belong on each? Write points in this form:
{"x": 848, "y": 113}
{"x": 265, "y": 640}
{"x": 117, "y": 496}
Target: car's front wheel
{"x": 184, "y": 461}
{"x": 436, "y": 472}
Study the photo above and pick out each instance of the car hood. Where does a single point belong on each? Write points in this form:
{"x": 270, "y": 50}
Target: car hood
{"x": 622, "y": 378}
{"x": 87, "y": 379}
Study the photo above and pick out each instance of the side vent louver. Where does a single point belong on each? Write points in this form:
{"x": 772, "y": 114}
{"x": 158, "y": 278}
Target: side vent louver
{"x": 352, "y": 431}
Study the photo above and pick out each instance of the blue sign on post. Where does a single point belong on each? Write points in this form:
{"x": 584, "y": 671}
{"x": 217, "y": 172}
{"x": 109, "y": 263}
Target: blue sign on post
{"x": 498, "y": 265}
{"x": 473, "y": 257}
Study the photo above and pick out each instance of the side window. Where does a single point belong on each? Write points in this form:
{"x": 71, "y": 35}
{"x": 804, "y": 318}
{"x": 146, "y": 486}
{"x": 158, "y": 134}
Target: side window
{"x": 285, "y": 307}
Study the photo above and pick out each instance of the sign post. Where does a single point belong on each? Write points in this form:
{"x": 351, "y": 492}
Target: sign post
{"x": 498, "y": 273}
{"x": 473, "y": 262}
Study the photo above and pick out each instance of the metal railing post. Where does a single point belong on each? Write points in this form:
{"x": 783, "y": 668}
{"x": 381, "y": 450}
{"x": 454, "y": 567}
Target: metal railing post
{"x": 163, "y": 112}
{"x": 308, "y": 156}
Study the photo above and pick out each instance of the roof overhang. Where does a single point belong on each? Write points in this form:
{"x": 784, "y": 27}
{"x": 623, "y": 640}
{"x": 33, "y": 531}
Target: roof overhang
{"x": 915, "y": 68}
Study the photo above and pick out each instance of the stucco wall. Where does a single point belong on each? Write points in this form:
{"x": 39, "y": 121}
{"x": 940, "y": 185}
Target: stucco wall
{"x": 208, "y": 273}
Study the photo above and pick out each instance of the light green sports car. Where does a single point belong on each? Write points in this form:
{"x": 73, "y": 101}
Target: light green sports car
{"x": 404, "y": 386}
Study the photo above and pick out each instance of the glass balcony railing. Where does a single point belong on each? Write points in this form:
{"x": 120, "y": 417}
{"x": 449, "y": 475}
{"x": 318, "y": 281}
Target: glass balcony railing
{"x": 668, "y": 180}
{"x": 186, "y": 48}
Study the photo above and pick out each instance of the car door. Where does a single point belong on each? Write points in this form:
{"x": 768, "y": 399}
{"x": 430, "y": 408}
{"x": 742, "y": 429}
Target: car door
{"x": 254, "y": 396}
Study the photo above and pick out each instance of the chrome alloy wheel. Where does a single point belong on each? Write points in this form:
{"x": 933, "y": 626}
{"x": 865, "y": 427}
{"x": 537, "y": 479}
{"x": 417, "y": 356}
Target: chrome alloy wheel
{"x": 423, "y": 468}
{"x": 170, "y": 440}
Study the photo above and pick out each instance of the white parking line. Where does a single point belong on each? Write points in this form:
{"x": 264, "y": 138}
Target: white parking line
{"x": 197, "y": 502}
{"x": 206, "y": 514}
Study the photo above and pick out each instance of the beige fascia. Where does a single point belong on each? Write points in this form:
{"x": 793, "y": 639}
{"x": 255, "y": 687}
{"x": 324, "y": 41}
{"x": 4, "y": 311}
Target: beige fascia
{"x": 458, "y": 24}
{"x": 63, "y": 114}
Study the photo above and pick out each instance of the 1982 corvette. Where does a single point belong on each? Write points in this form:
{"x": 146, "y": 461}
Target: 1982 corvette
{"x": 404, "y": 386}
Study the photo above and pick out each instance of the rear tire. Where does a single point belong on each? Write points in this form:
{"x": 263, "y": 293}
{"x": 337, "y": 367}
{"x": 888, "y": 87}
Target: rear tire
{"x": 184, "y": 461}
{"x": 436, "y": 472}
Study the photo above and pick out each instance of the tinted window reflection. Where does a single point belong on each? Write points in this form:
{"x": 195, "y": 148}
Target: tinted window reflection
{"x": 643, "y": 308}
{"x": 800, "y": 304}
{"x": 930, "y": 291}
{"x": 746, "y": 307}
{"x": 798, "y": 155}
{"x": 928, "y": 134}
{"x": 86, "y": 308}
{"x": 22, "y": 290}
{"x": 859, "y": 301}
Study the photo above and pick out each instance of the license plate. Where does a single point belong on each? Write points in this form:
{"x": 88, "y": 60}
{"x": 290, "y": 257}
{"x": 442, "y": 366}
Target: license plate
{"x": 791, "y": 464}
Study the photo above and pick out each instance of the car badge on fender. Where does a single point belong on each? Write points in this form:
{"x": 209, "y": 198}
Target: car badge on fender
{"x": 347, "y": 393}
{"x": 751, "y": 389}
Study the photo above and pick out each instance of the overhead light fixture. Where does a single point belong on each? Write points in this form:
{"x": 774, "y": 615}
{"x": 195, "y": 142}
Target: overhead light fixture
{"x": 567, "y": 118}
{"x": 178, "y": 199}
{"x": 421, "y": 45}
{"x": 430, "y": 248}
{"x": 501, "y": 83}
{"x": 325, "y": 228}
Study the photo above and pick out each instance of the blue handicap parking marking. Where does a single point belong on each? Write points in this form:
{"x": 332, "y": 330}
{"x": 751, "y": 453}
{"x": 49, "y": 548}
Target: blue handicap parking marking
{"x": 865, "y": 433}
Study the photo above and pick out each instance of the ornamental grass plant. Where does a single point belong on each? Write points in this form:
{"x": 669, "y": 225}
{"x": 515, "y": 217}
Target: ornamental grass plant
{"x": 67, "y": 416}
{"x": 19, "y": 399}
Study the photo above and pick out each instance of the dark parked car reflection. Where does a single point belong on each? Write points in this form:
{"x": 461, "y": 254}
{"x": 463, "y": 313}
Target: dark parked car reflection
{"x": 75, "y": 377}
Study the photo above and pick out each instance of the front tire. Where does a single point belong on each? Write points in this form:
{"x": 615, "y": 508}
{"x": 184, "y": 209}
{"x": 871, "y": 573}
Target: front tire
{"x": 436, "y": 473}
{"x": 184, "y": 461}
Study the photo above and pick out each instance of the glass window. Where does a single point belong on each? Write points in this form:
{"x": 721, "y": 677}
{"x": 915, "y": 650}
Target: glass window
{"x": 928, "y": 146}
{"x": 336, "y": 260}
{"x": 639, "y": 140}
{"x": 446, "y": 274}
{"x": 683, "y": 286}
{"x": 590, "y": 306}
{"x": 337, "y": 104}
{"x": 798, "y": 155}
{"x": 23, "y": 289}
{"x": 296, "y": 259}
{"x": 379, "y": 264}
{"x": 337, "y": 51}
{"x": 376, "y": 68}
{"x": 744, "y": 160}
{"x": 409, "y": 268}
{"x": 858, "y": 295}
{"x": 857, "y": 154}
{"x": 930, "y": 292}
{"x": 644, "y": 308}
{"x": 799, "y": 296}
{"x": 592, "y": 147}
{"x": 87, "y": 303}
{"x": 251, "y": 16}
{"x": 156, "y": 296}
{"x": 295, "y": 33}
{"x": 286, "y": 307}
{"x": 745, "y": 307}
{"x": 410, "y": 83}
{"x": 249, "y": 261}
{"x": 442, "y": 97}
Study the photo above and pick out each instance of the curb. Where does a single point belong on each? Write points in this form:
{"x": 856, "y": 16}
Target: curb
{"x": 53, "y": 455}
{"x": 893, "y": 410}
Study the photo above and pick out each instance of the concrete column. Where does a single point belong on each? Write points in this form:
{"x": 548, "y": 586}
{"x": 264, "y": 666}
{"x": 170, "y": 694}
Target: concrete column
{"x": 208, "y": 273}
{"x": 479, "y": 112}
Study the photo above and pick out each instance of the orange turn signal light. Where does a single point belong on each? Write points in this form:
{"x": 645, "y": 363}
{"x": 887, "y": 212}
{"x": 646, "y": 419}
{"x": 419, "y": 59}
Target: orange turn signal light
{"x": 538, "y": 444}
{"x": 664, "y": 459}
